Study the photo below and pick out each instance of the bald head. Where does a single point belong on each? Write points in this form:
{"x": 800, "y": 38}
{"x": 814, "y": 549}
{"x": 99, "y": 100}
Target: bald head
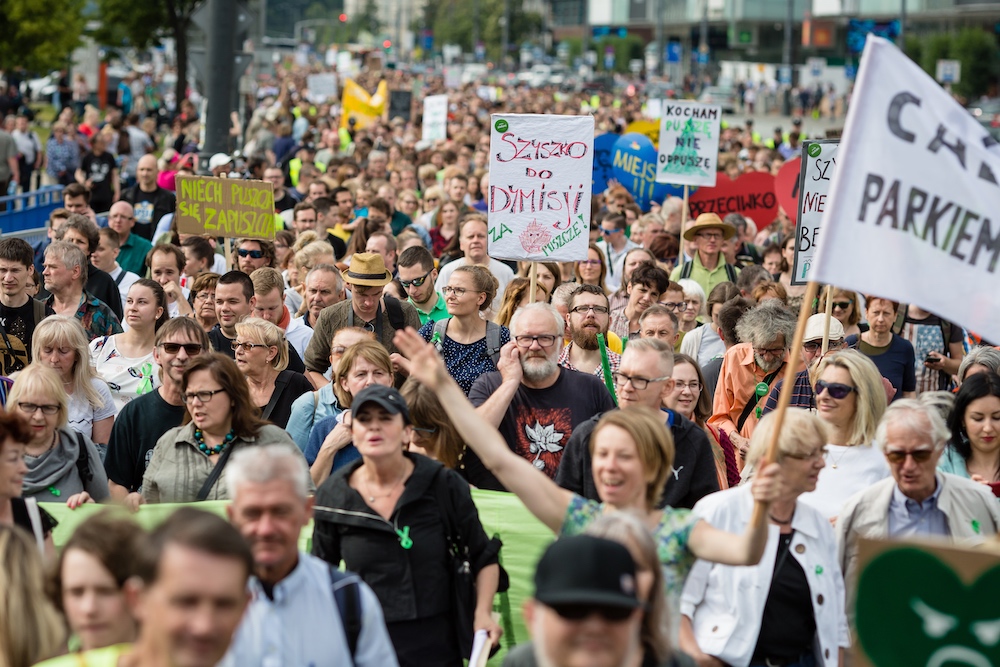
{"x": 121, "y": 217}
{"x": 146, "y": 172}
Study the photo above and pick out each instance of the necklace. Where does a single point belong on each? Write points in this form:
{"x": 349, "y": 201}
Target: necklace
{"x": 199, "y": 439}
{"x": 782, "y": 522}
{"x": 372, "y": 497}
{"x": 847, "y": 448}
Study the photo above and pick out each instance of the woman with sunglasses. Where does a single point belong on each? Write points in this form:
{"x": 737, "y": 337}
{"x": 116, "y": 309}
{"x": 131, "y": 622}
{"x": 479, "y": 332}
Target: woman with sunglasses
{"x": 434, "y": 435}
{"x": 974, "y": 450}
{"x": 789, "y": 608}
{"x": 188, "y": 460}
{"x": 850, "y": 398}
{"x": 593, "y": 270}
{"x": 445, "y": 227}
{"x": 465, "y": 340}
{"x": 125, "y": 360}
{"x": 261, "y": 353}
{"x": 63, "y": 465}
{"x": 847, "y": 310}
{"x": 632, "y": 454}
{"x": 61, "y": 344}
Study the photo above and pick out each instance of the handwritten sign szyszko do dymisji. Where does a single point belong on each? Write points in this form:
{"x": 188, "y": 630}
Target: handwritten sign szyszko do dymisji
{"x": 689, "y": 143}
{"x": 225, "y": 207}
{"x": 540, "y": 186}
{"x": 819, "y": 162}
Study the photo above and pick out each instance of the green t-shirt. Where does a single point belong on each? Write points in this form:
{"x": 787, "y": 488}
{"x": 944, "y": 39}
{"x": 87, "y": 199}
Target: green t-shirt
{"x": 100, "y": 657}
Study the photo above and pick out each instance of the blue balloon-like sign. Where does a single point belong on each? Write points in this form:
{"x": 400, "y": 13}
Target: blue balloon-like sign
{"x": 603, "y": 147}
{"x": 633, "y": 164}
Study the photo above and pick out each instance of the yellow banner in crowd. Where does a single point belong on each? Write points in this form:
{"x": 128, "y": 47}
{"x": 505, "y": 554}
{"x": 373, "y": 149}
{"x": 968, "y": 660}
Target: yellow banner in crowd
{"x": 362, "y": 107}
{"x": 524, "y": 539}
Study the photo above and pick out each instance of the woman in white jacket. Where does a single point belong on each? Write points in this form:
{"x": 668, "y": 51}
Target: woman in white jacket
{"x": 788, "y": 610}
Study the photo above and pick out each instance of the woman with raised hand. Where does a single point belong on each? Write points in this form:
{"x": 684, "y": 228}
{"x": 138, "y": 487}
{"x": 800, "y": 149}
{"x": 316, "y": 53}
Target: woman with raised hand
{"x": 125, "y": 360}
{"x": 632, "y": 455}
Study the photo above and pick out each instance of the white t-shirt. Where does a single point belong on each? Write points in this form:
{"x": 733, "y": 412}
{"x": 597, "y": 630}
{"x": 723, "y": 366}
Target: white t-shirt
{"x": 82, "y": 414}
{"x": 127, "y": 377}
{"x": 848, "y": 470}
{"x": 125, "y": 283}
{"x": 500, "y": 271}
{"x": 173, "y": 310}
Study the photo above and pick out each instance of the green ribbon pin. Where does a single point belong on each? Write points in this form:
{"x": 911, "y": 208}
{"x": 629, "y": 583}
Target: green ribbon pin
{"x": 819, "y": 569}
{"x": 146, "y": 385}
{"x": 975, "y": 526}
{"x": 404, "y": 537}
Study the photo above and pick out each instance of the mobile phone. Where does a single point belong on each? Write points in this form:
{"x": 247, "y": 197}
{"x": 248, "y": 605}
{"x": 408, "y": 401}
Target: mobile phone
{"x": 930, "y": 357}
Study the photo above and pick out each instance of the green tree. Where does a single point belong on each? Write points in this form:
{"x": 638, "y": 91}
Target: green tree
{"x": 39, "y": 35}
{"x": 453, "y": 21}
{"x": 913, "y": 47}
{"x": 142, "y": 24}
{"x": 626, "y": 48}
{"x": 365, "y": 22}
{"x": 977, "y": 51}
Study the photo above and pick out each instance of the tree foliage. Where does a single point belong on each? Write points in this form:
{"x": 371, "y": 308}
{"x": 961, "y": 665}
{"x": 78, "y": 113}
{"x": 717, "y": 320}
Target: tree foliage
{"x": 453, "y": 23}
{"x": 976, "y": 49}
{"x": 39, "y": 35}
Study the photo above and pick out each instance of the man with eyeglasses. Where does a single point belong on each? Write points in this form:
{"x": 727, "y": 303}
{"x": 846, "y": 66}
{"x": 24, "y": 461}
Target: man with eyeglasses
{"x": 146, "y": 418}
{"x": 588, "y": 316}
{"x": 132, "y": 248}
{"x": 708, "y": 266}
{"x": 812, "y": 347}
{"x": 530, "y": 399}
{"x": 251, "y": 254}
{"x": 615, "y": 245}
{"x": 918, "y": 500}
{"x": 417, "y": 274}
{"x": 750, "y": 370}
{"x": 644, "y": 379}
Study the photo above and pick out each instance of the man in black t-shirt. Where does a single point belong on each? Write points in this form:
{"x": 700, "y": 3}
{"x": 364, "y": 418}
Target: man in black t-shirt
{"x": 145, "y": 419}
{"x": 150, "y": 201}
{"x": 19, "y": 313}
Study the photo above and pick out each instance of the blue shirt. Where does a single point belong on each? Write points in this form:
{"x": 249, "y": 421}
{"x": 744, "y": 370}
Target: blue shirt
{"x": 320, "y": 431}
{"x": 907, "y": 517}
{"x": 300, "y": 624}
{"x": 308, "y": 410}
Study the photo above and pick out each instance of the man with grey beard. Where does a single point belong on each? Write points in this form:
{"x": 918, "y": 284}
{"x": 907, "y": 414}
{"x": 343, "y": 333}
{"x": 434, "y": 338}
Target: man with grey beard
{"x": 533, "y": 402}
{"x": 750, "y": 369}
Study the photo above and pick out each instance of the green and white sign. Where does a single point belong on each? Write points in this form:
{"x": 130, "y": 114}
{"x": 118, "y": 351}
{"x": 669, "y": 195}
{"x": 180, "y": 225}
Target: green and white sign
{"x": 689, "y": 143}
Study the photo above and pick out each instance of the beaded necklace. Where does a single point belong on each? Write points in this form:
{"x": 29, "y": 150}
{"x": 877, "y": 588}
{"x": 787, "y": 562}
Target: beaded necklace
{"x": 199, "y": 439}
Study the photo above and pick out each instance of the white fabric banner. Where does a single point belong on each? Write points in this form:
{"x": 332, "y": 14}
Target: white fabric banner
{"x": 689, "y": 143}
{"x": 435, "y": 124}
{"x": 910, "y": 207}
{"x": 540, "y": 185}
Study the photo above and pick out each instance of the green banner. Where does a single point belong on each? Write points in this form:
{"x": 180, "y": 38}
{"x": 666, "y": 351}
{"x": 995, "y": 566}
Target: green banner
{"x": 524, "y": 539}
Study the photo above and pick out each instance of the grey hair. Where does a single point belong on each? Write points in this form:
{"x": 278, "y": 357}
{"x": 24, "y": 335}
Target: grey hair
{"x": 562, "y": 294}
{"x": 538, "y": 305}
{"x": 266, "y": 463}
{"x": 656, "y": 346}
{"x": 984, "y": 355}
{"x": 942, "y": 401}
{"x": 70, "y": 255}
{"x": 764, "y": 323}
{"x": 328, "y": 268}
{"x": 918, "y": 417}
{"x": 693, "y": 289}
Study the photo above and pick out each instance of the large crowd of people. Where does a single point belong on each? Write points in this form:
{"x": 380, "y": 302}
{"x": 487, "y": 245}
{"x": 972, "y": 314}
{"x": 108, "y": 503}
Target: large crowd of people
{"x": 372, "y": 363}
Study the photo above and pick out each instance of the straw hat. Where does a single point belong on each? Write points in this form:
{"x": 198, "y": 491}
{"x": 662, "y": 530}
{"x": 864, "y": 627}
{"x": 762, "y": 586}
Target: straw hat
{"x": 366, "y": 269}
{"x": 710, "y": 221}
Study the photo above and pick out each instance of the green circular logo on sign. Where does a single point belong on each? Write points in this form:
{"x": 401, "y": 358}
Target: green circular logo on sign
{"x": 814, "y": 150}
{"x": 501, "y": 125}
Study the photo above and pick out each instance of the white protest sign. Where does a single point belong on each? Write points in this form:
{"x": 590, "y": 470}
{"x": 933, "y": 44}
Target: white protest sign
{"x": 540, "y": 186}
{"x": 689, "y": 143}
{"x": 322, "y": 87}
{"x": 654, "y": 108}
{"x": 435, "y": 125}
{"x": 452, "y": 77}
{"x": 819, "y": 164}
{"x": 912, "y": 210}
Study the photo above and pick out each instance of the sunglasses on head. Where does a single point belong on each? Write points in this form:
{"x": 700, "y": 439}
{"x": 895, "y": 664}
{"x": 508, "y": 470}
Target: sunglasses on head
{"x": 253, "y": 254}
{"x": 898, "y": 456}
{"x": 578, "y": 612}
{"x": 835, "y": 389}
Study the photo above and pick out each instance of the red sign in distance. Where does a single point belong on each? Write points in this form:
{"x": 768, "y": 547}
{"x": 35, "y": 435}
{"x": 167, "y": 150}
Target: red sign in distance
{"x": 751, "y": 194}
{"x": 786, "y": 186}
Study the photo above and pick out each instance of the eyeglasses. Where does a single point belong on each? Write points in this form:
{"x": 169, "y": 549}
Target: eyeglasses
{"x": 427, "y": 431}
{"x": 457, "y": 291}
{"x": 693, "y": 386}
{"x": 431, "y": 199}
{"x": 711, "y": 236}
{"x": 609, "y": 232}
{"x": 770, "y": 351}
{"x": 202, "y": 396}
{"x": 32, "y": 408}
{"x": 247, "y": 347}
{"x": 836, "y": 390}
{"x": 812, "y": 456}
{"x": 409, "y": 202}
{"x": 898, "y": 456}
{"x": 598, "y": 310}
{"x": 843, "y": 305}
{"x": 578, "y": 612}
{"x": 589, "y": 262}
{"x": 416, "y": 282}
{"x": 544, "y": 340}
{"x": 253, "y": 254}
{"x": 192, "y": 349}
{"x": 674, "y": 305}
{"x": 639, "y": 383}
{"x": 814, "y": 346}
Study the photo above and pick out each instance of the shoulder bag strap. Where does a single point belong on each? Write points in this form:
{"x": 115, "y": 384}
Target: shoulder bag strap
{"x": 213, "y": 477}
{"x": 120, "y": 278}
{"x": 754, "y": 400}
{"x": 347, "y": 596}
{"x": 31, "y": 505}
{"x": 279, "y": 386}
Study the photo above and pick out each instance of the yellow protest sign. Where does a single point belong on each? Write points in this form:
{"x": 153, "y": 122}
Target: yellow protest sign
{"x": 650, "y": 128}
{"x": 361, "y": 106}
{"x": 226, "y": 207}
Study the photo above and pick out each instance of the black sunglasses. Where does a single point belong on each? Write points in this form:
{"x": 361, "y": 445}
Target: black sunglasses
{"x": 254, "y": 254}
{"x": 192, "y": 349}
{"x": 578, "y": 612}
{"x": 836, "y": 390}
{"x": 416, "y": 282}
{"x": 843, "y": 305}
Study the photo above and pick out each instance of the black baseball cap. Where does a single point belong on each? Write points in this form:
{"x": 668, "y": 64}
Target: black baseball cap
{"x": 586, "y": 570}
{"x": 387, "y": 397}
{"x": 796, "y": 122}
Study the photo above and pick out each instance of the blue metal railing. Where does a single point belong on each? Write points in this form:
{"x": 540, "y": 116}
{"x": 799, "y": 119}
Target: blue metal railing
{"x": 26, "y": 215}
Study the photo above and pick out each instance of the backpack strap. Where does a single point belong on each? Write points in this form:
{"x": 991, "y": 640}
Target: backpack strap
{"x": 395, "y": 313}
{"x": 493, "y": 341}
{"x": 35, "y": 516}
{"x": 897, "y": 326}
{"x": 347, "y": 595}
{"x": 754, "y": 400}
{"x": 83, "y": 461}
{"x": 731, "y": 273}
{"x": 315, "y": 408}
{"x": 686, "y": 270}
{"x": 38, "y": 309}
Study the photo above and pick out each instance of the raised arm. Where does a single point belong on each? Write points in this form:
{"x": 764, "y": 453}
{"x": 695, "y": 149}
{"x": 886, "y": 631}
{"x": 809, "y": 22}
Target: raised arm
{"x": 541, "y": 495}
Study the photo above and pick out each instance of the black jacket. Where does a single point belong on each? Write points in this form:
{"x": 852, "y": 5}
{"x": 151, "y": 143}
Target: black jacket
{"x": 693, "y": 476}
{"x": 412, "y": 583}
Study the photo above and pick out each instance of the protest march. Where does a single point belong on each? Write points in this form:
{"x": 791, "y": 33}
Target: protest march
{"x": 423, "y": 371}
